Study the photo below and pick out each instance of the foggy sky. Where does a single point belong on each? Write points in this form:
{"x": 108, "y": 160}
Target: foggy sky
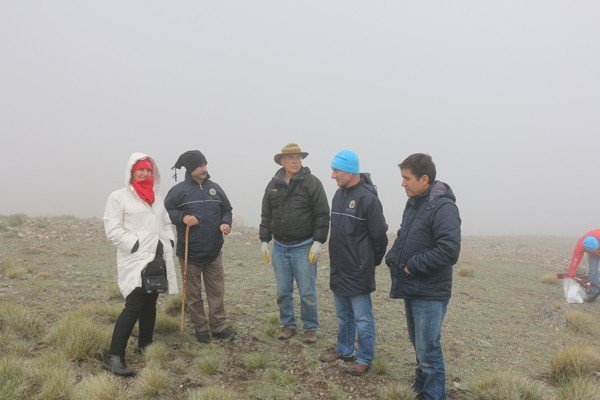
{"x": 505, "y": 95}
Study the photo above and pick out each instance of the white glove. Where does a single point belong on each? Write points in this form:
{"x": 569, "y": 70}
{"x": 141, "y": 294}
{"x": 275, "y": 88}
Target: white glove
{"x": 313, "y": 254}
{"x": 264, "y": 248}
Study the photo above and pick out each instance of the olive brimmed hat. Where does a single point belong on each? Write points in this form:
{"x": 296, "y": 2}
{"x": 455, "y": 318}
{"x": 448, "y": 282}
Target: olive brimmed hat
{"x": 290, "y": 148}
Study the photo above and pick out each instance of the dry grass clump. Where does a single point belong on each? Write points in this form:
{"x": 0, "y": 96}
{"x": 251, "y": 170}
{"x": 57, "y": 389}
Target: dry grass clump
{"x": 68, "y": 252}
{"x": 13, "y": 378}
{"x": 16, "y": 219}
{"x": 580, "y": 389}
{"x": 397, "y": 391}
{"x": 172, "y": 305}
{"x": 52, "y": 377}
{"x": 574, "y": 361}
{"x": 113, "y": 292}
{"x": 278, "y": 376}
{"x": 210, "y": 360}
{"x": 99, "y": 312}
{"x": 165, "y": 324}
{"x": 11, "y": 270}
{"x": 20, "y": 320}
{"x": 508, "y": 386}
{"x": 154, "y": 381}
{"x": 581, "y": 322}
{"x": 79, "y": 337}
{"x": 549, "y": 279}
{"x": 103, "y": 386}
{"x": 466, "y": 272}
{"x": 257, "y": 360}
{"x": 213, "y": 393}
{"x": 157, "y": 352}
{"x": 380, "y": 366}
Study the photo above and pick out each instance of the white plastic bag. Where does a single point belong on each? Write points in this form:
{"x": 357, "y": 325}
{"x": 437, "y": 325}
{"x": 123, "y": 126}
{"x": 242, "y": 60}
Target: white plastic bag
{"x": 574, "y": 293}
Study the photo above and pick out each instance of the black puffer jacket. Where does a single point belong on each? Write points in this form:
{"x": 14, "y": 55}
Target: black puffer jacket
{"x": 358, "y": 238}
{"x": 428, "y": 243}
{"x": 210, "y": 205}
{"x": 294, "y": 212}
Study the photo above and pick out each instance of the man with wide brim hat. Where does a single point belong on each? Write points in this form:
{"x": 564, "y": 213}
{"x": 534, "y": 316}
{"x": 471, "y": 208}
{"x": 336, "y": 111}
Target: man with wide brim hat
{"x": 295, "y": 214}
{"x": 290, "y": 148}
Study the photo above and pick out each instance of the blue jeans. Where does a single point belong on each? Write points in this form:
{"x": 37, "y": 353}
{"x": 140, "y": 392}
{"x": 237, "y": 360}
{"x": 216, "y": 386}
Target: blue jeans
{"x": 354, "y": 314}
{"x": 424, "y": 321}
{"x": 593, "y": 272}
{"x": 289, "y": 264}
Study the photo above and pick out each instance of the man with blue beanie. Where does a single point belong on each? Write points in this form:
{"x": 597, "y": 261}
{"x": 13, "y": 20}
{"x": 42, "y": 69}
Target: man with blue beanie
{"x": 357, "y": 245}
{"x": 588, "y": 243}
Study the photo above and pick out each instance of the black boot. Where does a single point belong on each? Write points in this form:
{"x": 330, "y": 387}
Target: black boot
{"x": 116, "y": 365}
{"x": 592, "y": 293}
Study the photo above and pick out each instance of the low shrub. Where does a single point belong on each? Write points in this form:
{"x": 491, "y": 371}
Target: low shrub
{"x": 157, "y": 352}
{"x": 574, "y": 361}
{"x": 508, "y": 386}
{"x": 257, "y": 360}
{"x": 165, "y": 324}
{"x": 397, "y": 391}
{"x": 380, "y": 366}
{"x": 79, "y": 337}
{"x": 20, "y": 320}
{"x": 210, "y": 360}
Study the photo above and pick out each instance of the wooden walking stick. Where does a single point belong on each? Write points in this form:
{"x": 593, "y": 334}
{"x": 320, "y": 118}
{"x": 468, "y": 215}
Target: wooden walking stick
{"x": 185, "y": 265}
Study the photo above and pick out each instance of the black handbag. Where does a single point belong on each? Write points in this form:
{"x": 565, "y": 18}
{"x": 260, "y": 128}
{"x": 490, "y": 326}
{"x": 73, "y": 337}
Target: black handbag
{"x": 154, "y": 275}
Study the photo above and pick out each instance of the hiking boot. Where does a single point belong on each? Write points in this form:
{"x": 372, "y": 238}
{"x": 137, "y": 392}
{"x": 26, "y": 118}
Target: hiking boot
{"x": 309, "y": 336}
{"x": 226, "y": 334}
{"x": 286, "y": 332}
{"x": 357, "y": 369}
{"x": 331, "y": 355}
{"x": 203, "y": 336}
{"x": 592, "y": 294}
{"x": 116, "y": 365}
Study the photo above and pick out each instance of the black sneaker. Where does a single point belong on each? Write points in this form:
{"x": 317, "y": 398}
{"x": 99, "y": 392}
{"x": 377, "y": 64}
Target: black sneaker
{"x": 116, "y": 365}
{"x": 226, "y": 334}
{"x": 203, "y": 336}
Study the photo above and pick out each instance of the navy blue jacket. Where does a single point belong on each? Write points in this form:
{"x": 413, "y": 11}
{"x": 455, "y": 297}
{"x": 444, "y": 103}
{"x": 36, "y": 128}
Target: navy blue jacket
{"x": 210, "y": 205}
{"x": 428, "y": 243}
{"x": 358, "y": 238}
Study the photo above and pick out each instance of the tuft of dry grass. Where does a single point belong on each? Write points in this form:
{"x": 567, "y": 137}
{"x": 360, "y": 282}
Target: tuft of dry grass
{"x": 380, "y": 366}
{"x": 11, "y": 269}
{"x": 16, "y": 219}
{"x": 113, "y": 292}
{"x": 278, "y": 376}
{"x": 53, "y": 377}
{"x": 12, "y": 375}
{"x": 257, "y": 360}
{"x": 210, "y": 360}
{"x": 20, "y": 320}
{"x": 68, "y": 252}
{"x": 580, "y": 389}
{"x": 79, "y": 337}
{"x": 581, "y": 322}
{"x": 213, "y": 393}
{"x": 466, "y": 272}
{"x": 397, "y": 391}
{"x": 165, "y": 324}
{"x": 549, "y": 279}
{"x": 157, "y": 352}
{"x": 103, "y": 386}
{"x": 504, "y": 385}
{"x": 154, "y": 381}
{"x": 574, "y": 361}
{"x": 172, "y": 305}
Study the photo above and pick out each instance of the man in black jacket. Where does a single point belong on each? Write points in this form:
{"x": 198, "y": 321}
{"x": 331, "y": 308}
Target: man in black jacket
{"x": 295, "y": 214}
{"x": 420, "y": 262}
{"x": 357, "y": 244}
{"x": 202, "y": 205}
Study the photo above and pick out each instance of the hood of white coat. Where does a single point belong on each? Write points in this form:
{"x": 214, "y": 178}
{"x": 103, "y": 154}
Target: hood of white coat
{"x": 140, "y": 156}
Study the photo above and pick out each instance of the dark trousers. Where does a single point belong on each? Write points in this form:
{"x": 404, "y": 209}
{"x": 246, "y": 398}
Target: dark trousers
{"x": 141, "y": 306}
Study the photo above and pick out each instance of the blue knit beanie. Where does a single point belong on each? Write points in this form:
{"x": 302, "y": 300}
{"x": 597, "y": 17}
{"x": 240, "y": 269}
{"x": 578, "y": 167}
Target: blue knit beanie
{"x": 347, "y": 161}
{"x": 591, "y": 243}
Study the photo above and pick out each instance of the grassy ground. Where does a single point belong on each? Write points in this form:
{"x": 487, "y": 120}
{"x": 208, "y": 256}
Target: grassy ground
{"x": 502, "y": 317}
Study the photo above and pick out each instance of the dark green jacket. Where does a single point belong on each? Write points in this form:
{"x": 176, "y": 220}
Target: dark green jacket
{"x": 294, "y": 212}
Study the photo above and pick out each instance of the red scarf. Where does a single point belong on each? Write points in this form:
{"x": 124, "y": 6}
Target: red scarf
{"x": 145, "y": 189}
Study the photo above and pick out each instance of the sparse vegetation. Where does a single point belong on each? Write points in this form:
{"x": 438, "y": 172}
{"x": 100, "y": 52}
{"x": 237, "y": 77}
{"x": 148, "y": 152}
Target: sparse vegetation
{"x": 79, "y": 337}
{"x": 466, "y": 272}
{"x": 113, "y": 292}
{"x": 380, "y": 366}
{"x": 165, "y": 324}
{"x": 172, "y": 305}
{"x": 213, "y": 393}
{"x": 20, "y": 321}
{"x": 154, "y": 380}
{"x": 157, "y": 352}
{"x": 16, "y": 220}
{"x": 549, "y": 279}
{"x": 103, "y": 386}
{"x": 580, "y": 389}
{"x": 397, "y": 391}
{"x": 508, "y": 386}
{"x": 257, "y": 360}
{"x": 210, "y": 360}
{"x": 11, "y": 269}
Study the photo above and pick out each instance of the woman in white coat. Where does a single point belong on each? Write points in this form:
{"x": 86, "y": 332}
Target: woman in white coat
{"x": 137, "y": 223}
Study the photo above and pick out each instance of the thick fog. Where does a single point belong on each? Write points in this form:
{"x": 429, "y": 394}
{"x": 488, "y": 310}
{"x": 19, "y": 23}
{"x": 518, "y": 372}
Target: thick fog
{"x": 505, "y": 95}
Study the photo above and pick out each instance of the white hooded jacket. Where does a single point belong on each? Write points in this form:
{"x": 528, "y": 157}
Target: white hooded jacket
{"x": 128, "y": 219}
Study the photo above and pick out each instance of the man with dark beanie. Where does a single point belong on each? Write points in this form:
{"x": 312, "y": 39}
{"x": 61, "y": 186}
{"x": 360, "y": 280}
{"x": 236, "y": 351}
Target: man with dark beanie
{"x": 202, "y": 205}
